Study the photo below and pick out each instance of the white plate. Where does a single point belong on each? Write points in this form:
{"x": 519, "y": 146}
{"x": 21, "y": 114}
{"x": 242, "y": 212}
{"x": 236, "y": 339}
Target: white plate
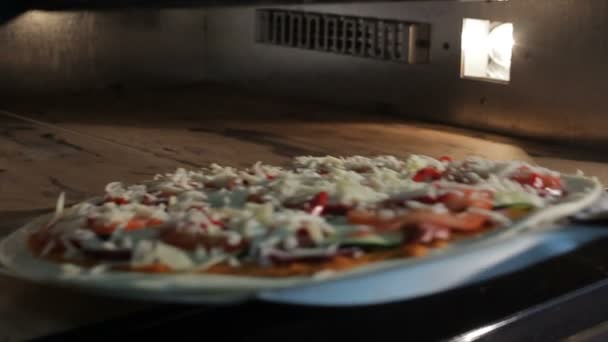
{"x": 203, "y": 288}
{"x": 443, "y": 274}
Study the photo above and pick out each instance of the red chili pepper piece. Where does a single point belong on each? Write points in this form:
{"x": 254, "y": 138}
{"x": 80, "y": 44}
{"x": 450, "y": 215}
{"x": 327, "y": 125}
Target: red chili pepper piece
{"x": 539, "y": 181}
{"x": 446, "y": 159}
{"x": 117, "y": 200}
{"x": 216, "y": 222}
{"x": 320, "y": 199}
{"x": 318, "y": 203}
{"x": 427, "y": 174}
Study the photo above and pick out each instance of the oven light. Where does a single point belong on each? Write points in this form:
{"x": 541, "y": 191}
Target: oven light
{"x": 474, "y": 36}
{"x": 501, "y": 44}
{"x": 487, "y": 49}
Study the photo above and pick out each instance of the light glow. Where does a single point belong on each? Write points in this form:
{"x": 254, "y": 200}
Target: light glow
{"x": 487, "y": 49}
{"x": 501, "y": 44}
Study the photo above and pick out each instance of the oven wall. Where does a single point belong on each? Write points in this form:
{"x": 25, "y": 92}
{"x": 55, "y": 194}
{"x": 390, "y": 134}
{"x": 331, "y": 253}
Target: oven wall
{"x": 559, "y": 73}
{"x": 559, "y": 76}
{"x": 81, "y": 50}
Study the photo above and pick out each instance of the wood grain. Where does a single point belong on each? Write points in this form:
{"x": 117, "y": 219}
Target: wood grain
{"x": 81, "y": 142}
{"x": 38, "y": 162}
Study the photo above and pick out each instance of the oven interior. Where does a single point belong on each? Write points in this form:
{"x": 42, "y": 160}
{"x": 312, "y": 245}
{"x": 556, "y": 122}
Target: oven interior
{"x": 92, "y": 92}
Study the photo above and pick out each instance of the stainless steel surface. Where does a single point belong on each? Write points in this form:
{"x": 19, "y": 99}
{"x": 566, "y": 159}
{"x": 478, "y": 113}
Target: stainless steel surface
{"x": 376, "y": 38}
{"x": 79, "y": 50}
{"x": 557, "y": 83}
{"x": 556, "y": 91}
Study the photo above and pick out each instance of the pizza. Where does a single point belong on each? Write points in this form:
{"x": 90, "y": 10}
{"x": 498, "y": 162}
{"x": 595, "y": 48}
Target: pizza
{"x": 314, "y": 215}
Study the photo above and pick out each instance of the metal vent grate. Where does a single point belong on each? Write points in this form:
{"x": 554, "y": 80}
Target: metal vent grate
{"x": 399, "y": 41}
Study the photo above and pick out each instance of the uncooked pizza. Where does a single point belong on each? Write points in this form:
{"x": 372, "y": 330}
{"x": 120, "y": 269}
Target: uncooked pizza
{"x": 314, "y": 215}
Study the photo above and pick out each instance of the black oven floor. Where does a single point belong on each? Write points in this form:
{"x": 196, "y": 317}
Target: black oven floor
{"x": 549, "y": 301}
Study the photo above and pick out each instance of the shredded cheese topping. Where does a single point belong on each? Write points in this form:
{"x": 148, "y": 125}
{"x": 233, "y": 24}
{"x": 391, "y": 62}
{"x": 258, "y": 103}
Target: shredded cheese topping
{"x": 194, "y": 219}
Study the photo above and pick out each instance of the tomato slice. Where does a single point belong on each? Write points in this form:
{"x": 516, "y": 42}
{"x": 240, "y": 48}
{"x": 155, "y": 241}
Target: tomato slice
{"x": 372, "y": 219}
{"x": 463, "y": 199}
{"x": 465, "y": 221}
{"x": 133, "y": 224}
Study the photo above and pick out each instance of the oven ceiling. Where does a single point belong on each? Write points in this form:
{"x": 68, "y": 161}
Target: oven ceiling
{"x": 90, "y": 4}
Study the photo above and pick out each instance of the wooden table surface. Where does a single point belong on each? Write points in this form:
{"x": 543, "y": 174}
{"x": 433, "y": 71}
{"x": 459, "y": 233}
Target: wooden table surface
{"x": 78, "y": 143}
